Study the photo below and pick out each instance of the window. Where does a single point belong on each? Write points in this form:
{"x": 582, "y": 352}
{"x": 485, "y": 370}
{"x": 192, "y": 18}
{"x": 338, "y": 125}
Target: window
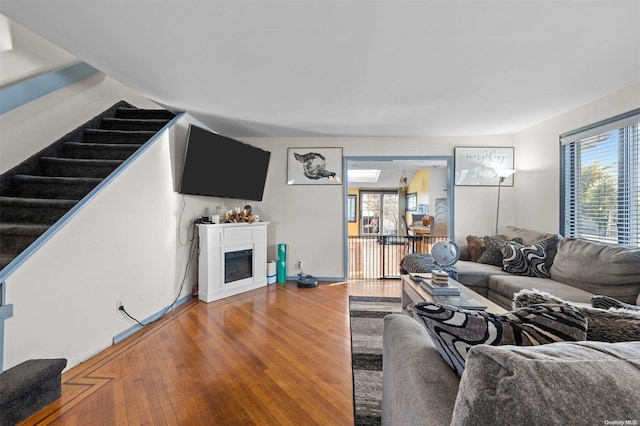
{"x": 380, "y": 213}
{"x": 411, "y": 202}
{"x": 351, "y": 207}
{"x": 601, "y": 181}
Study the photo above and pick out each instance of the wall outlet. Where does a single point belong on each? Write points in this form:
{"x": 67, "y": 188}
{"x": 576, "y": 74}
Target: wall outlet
{"x": 300, "y": 264}
{"x": 119, "y": 304}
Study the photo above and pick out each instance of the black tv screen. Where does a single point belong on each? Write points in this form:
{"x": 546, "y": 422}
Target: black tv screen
{"x": 219, "y": 166}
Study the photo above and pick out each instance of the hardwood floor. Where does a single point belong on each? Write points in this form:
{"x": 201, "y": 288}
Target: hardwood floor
{"x": 279, "y": 355}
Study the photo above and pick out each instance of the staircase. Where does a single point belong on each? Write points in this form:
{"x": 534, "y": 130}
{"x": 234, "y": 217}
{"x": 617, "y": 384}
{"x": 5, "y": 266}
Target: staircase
{"x": 39, "y": 191}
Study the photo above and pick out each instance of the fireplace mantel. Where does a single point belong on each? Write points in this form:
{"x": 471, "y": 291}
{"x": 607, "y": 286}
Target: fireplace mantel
{"x": 217, "y": 239}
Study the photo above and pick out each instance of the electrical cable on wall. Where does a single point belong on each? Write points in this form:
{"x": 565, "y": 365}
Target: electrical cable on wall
{"x": 193, "y": 247}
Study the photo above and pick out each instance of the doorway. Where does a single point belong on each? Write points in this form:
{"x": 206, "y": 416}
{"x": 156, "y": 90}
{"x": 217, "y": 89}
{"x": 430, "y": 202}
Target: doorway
{"x": 376, "y": 243}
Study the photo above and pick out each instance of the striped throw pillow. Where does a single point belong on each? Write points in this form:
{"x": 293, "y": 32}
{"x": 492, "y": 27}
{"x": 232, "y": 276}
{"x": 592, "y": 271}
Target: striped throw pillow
{"x": 454, "y": 330}
{"x": 606, "y": 302}
{"x": 525, "y": 260}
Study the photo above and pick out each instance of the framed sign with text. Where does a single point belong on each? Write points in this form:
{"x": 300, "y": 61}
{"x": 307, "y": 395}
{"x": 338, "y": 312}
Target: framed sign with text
{"x": 475, "y": 166}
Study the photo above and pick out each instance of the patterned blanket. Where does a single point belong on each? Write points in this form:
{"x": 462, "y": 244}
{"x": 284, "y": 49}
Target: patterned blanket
{"x": 423, "y": 263}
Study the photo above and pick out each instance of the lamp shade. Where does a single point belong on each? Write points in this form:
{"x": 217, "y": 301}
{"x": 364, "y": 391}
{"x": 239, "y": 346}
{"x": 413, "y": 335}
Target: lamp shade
{"x": 504, "y": 173}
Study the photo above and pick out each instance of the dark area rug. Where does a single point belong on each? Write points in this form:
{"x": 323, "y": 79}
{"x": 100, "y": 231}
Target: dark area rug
{"x": 366, "y": 316}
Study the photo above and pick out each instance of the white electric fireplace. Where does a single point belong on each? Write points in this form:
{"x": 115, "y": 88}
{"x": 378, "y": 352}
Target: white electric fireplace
{"x": 232, "y": 259}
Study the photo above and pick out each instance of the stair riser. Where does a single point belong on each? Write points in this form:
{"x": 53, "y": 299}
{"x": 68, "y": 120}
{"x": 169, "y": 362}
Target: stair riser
{"x": 137, "y": 138}
{"x": 53, "y": 190}
{"x": 65, "y": 170}
{"x": 133, "y": 125}
{"x": 37, "y": 215}
{"x": 100, "y": 154}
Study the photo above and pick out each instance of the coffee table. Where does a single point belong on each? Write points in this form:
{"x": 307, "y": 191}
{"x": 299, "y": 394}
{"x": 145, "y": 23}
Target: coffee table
{"x": 412, "y": 293}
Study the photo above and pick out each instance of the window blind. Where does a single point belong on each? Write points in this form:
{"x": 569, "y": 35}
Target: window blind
{"x": 601, "y": 181}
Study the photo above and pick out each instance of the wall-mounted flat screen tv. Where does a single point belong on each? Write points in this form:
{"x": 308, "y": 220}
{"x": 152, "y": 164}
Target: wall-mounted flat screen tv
{"x": 219, "y": 166}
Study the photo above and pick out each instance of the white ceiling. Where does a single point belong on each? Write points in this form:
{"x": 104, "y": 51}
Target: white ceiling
{"x": 353, "y": 68}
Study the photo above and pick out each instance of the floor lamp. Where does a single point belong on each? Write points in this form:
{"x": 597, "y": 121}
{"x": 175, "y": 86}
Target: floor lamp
{"x": 502, "y": 174}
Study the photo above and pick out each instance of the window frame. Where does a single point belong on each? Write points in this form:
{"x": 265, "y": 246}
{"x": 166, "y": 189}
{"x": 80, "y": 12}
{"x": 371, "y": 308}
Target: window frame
{"x": 570, "y": 158}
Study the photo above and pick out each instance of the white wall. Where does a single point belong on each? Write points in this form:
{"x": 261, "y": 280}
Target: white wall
{"x": 536, "y": 202}
{"x": 25, "y": 54}
{"x": 437, "y": 187}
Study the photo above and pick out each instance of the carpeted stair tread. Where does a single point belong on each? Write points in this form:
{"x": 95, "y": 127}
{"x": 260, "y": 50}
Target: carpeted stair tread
{"x": 15, "y": 237}
{"x": 62, "y": 180}
{"x": 29, "y": 387}
{"x": 33, "y": 210}
{"x": 56, "y": 187}
{"x": 5, "y": 260}
{"x": 35, "y": 202}
{"x": 117, "y": 136}
{"x": 87, "y": 161}
{"x": 22, "y": 229}
{"x": 113, "y": 151}
{"x": 71, "y": 167}
{"x": 154, "y": 124}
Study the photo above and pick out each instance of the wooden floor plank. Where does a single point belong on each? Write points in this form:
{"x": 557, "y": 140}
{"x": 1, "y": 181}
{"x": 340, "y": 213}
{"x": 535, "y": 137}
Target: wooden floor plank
{"x": 277, "y": 355}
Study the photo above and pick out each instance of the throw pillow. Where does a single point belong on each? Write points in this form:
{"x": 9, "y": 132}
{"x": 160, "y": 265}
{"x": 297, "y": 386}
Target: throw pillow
{"x": 493, "y": 249}
{"x": 567, "y": 383}
{"x": 530, "y": 297}
{"x": 606, "y": 302}
{"x": 528, "y": 260}
{"x": 611, "y": 325}
{"x": 475, "y": 246}
{"x": 454, "y": 330}
{"x": 551, "y": 247}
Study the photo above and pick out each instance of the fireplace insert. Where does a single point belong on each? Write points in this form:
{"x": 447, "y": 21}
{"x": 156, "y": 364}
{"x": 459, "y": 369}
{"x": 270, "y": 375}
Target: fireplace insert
{"x": 238, "y": 265}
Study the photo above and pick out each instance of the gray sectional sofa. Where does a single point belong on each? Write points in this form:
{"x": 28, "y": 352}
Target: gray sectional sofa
{"x": 584, "y": 382}
{"x": 568, "y": 383}
{"x": 578, "y": 269}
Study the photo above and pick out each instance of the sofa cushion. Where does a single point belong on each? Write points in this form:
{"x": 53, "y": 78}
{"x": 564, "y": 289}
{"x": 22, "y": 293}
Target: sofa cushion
{"x": 476, "y": 275}
{"x": 574, "y": 383}
{"x": 493, "y": 249}
{"x": 455, "y": 330}
{"x": 525, "y": 260}
{"x": 529, "y": 237}
{"x": 598, "y": 268}
{"x": 603, "y": 325}
{"x": 508, "y": 285}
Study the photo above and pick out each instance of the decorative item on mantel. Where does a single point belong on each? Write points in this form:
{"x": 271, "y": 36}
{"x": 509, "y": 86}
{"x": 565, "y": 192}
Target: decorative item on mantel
{"x": 239, "y": 215}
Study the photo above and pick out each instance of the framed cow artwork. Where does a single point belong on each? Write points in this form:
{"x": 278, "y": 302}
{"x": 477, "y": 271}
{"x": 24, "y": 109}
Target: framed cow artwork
{"x": 314, "y": 166}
